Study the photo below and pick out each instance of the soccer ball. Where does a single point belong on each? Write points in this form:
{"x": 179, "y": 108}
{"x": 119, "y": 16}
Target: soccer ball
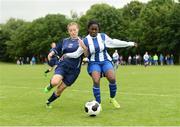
{"x": 92, "y": 108}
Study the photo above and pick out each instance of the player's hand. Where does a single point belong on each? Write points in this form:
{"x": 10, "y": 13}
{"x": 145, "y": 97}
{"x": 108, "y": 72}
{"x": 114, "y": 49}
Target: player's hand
{"x": 81, "y": 43}
{"x": 62, "y": 57}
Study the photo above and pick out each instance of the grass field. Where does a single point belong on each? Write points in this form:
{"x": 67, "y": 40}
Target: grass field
{"x": 148, "y": 96}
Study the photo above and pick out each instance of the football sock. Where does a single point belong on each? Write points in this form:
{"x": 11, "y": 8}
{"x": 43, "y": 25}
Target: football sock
{"x": 52, "y": 98}
{"x": 49, "y": 86}
{"x": 96, "y": 91}
{"x": 112, "y": 88}
{"x": 47, "y": 71}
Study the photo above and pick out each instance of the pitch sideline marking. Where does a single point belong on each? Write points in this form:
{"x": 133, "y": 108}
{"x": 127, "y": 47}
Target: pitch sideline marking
{"x": 124, "y": 93}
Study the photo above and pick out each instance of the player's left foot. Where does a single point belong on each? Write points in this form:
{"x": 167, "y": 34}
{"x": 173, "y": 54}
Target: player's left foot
{"x": 47, "y": 89}
{"x": 114, "y": 102}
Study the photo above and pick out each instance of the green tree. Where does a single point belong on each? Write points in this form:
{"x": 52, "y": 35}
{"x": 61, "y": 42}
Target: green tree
{"x": 35, "y": 38}
{"x": 108, "y": 17}
{"x": 7, "y": 31}
{"x": 158, "y": 35}
{"x": 45, "y": 30}
{"x": 131, "y": 25}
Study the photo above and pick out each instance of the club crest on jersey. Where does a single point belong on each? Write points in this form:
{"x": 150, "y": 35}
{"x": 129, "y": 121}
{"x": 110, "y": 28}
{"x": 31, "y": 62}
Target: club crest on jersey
{"x": 70, "y": 45}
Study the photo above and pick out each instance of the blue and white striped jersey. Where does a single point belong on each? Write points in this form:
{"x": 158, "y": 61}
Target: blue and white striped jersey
{"x": 98, "y": 45}
{"x": 97, "y": 48}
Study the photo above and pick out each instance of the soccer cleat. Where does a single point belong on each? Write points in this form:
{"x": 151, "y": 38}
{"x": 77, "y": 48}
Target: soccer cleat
{"x": 114, "y": 102}
{"x": 47, "y": 89}
{"x": 48, "y": 105}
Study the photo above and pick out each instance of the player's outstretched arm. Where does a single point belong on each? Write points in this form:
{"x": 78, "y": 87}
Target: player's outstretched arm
{"x": 75, "y": 54}
{"x": 115, "y": 43}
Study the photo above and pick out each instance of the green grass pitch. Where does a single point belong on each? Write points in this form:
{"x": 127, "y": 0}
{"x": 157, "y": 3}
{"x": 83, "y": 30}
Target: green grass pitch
{"x": 148, "y": 96}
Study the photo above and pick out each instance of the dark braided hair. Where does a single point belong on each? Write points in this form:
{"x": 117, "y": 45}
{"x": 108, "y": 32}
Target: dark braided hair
{"x": 93, "y": 22}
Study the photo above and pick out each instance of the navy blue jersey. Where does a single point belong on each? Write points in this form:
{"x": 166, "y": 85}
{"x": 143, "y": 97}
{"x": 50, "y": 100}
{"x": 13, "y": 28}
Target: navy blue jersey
{"x": 69, "y": 45}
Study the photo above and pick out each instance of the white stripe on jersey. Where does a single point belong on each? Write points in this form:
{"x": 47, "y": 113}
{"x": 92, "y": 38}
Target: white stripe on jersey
{"x": 100, "y": 42}
{"x": 101, "y": 47}
{"x": 108, "y": 56}
{"x": 101, "y": 56}
{"x": 91, "y": 48}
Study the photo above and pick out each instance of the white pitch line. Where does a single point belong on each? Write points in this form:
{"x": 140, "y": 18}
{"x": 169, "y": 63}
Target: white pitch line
{"x": 136, "y": 94}
{"x": 124, "y": 93}
{"x": 2, "y": 97}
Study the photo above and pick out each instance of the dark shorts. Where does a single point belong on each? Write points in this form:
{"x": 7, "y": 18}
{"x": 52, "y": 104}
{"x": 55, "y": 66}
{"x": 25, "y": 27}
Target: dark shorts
{"x": 69, "y": 74}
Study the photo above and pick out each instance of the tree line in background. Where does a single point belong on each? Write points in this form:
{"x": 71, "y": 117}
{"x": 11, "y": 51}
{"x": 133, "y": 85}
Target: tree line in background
{"x": 155, "y": 26}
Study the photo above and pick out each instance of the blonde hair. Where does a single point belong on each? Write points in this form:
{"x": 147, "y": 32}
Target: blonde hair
{"x": 71, "y": 24}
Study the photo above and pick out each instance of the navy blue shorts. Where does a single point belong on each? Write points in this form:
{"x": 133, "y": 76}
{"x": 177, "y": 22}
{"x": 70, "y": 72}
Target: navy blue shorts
{"x": 69, "y": 74}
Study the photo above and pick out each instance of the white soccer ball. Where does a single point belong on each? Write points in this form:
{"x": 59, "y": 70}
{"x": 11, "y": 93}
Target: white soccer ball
{"x": 92, "y": 108}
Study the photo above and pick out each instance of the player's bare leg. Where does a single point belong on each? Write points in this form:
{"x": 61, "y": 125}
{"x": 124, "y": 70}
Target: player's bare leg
{"x": 112, "y": 87}
{"x": 56, "y": 80}
{"x": 60, "y": 88}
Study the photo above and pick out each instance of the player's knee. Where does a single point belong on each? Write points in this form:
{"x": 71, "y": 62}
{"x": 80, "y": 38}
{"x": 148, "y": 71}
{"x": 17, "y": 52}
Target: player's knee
{"x": 55, "y": 81}
{"x": 112, "y": 81}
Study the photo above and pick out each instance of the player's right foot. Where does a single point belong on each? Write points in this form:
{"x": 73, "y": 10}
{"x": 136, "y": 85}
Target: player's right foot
{"x": 48, "y": 105}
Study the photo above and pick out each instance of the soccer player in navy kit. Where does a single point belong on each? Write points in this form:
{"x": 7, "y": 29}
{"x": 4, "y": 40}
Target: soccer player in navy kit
{"x": 54, "y": 60}
{"x": 67, "y": 69}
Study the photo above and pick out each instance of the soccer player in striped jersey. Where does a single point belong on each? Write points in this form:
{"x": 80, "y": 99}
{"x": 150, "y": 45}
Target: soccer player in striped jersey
{"x": 100, "y": 61}
{"x": 115, "y": 59}
{"x": 146, "y": 59}
{"x": 67, "y": 69}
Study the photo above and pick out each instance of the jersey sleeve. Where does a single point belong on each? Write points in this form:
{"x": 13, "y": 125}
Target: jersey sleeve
{"x": 74, "y": 54}
{"x": 115, "y": 43}
{"x": 85, "y": 42}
